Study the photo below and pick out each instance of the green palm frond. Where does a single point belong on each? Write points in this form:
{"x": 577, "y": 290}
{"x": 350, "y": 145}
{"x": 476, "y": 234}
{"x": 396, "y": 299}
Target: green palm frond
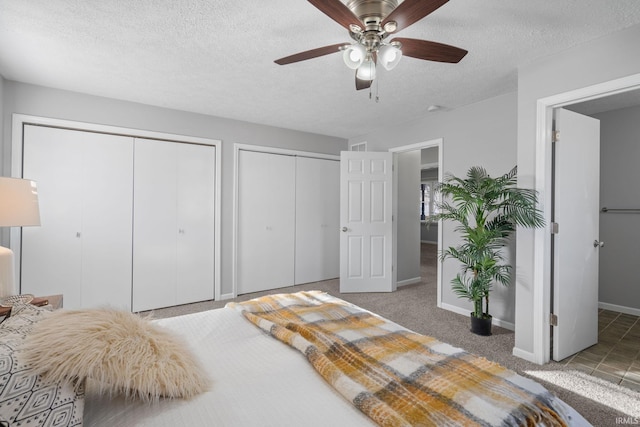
{"x": 486, "y": 212}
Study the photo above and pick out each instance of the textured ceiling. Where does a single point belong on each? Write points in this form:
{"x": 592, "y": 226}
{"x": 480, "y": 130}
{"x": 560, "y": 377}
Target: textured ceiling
{"x": 216, "y": 58}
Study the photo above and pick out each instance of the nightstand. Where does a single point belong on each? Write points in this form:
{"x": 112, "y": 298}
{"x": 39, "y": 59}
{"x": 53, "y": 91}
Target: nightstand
{"x": 54, "y": 300}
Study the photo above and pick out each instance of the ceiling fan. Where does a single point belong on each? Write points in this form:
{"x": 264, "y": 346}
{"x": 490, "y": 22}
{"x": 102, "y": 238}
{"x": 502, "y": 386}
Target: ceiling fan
{"x": 370, "y": 23}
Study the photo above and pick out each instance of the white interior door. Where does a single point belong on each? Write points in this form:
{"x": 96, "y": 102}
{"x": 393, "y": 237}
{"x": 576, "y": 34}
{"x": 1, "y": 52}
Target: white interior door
{"x": 266, "y": 221}
{"x": 107, "y": 204}
{"x": 366, "y": 206}
{"x": 196, "y": 234}
{"x": 576, "y": 245}
{"x": 154, "y": 225}
{"x": 51, "y": 261}
{"x": 317, "y": 219}
{"x": 173, "y": 224}
{"x": 83, "y": 247}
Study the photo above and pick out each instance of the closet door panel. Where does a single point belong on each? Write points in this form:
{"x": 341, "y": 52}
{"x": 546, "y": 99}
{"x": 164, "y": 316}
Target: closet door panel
{"x": 154, "y": 225}
{"x": 173, "y": 245}
{"x": 317, "y": 220}
{"x": 83, "y": 247}
{"x": 51, "y": 253}
{"x": 196, "y": 234}
{"x": 107, "y": 207}
{"x": 266, "y": 221}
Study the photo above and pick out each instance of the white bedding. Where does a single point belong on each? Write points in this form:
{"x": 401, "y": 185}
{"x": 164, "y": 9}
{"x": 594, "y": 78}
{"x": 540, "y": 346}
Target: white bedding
{"x": 245, "y": 366}
{"x": 256, "y": 381}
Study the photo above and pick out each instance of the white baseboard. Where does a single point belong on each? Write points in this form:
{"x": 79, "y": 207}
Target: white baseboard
{"x": 465, "y": 312}
{"x": 504, "y": 324}
{"x": 408, "y": 281}
{"x": 431, "y": 242}
{"x": 455, "y": 309}
{"x": 526, "y": 355}
{"x": 226, "y": 296}
{"x": 619, "y": 308}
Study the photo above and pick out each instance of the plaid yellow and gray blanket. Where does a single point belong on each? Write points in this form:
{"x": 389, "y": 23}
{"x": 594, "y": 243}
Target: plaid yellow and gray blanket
{"x": 398, "y": 377}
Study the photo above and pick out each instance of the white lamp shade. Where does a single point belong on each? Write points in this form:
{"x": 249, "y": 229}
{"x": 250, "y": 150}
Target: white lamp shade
{"x": 389, "y": 56}
{"x": 354, "y": 55}
{"x": 18, "y": 202}
{"x": 367, "y": 71}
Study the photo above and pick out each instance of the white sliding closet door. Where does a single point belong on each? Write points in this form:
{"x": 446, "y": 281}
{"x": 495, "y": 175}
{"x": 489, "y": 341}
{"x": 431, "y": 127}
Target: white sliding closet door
{"x": 317, "y": 220}
{"x": 173, "y": 243}
{"x": 83, "y": 247}
{"x": 154, "y": 225}
{"x": 196, "y": 236}
{"x": 266, "y": 221}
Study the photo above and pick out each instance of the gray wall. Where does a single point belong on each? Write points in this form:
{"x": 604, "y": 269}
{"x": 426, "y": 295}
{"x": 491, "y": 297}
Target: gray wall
{"x": 429, "y": 155}
{"x": 429, "y": 232}
{"x": 408, "y": 234}
{"x": 4, "y": 153}
{"x": 598, "y": 61}
{"x": 52, "y": 103}
{"x": 472, "y": 135}
{"x": 5, "y": 150}
{"x": 619, "y": 283}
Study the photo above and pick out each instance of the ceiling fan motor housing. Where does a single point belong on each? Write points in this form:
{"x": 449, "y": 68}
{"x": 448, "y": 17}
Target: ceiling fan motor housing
{"x": 372, "y": 12}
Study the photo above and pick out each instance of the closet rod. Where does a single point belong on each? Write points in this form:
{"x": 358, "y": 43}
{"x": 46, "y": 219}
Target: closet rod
{"x": 606, "y": 209}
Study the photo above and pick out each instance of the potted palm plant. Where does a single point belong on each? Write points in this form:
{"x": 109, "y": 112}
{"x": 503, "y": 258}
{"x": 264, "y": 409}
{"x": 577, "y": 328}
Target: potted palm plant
{"x": 487, "y": 211}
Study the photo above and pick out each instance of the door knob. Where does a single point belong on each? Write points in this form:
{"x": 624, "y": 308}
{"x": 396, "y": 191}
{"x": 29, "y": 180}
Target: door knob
{"x": 345, "y": 229}
{"x": 597, "y": 244}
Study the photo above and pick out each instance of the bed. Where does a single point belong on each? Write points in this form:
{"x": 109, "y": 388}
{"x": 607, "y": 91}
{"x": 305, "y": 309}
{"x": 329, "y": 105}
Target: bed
{"x": 258, "y": 380}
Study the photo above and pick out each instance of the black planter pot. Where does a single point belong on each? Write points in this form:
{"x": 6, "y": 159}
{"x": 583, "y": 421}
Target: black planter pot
{"x": 481, "y": 326}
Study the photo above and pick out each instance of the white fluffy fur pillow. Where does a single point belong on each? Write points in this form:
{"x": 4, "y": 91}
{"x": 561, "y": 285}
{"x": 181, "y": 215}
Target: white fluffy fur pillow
{"x": 124, "y": 352}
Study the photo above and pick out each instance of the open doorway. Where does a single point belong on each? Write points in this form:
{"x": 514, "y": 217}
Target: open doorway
{"x": 619, "y": 208}
{"x": 616, "y": 307}
{"x": 428, "y": 202}
{"x": 541, "y": 304}
{"x": 417, "y": 167}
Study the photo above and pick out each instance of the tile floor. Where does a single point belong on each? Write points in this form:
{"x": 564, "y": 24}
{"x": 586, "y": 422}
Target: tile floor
{"x": 616, "y": 357}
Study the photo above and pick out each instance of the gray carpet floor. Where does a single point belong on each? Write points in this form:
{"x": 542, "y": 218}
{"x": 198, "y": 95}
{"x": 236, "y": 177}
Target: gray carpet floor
{"x": 601, "y": 402}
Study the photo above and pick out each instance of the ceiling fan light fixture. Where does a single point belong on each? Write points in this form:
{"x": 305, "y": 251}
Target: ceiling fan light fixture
{"x": 367, "y": 71}
{"x": 390, "y": 27}
{"x": 389, "y": 56}
{"x": 354, "y": 55}
{"x": 355, "y": 28}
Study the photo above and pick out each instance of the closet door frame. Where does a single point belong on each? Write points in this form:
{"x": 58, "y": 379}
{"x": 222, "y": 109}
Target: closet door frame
{"x": 236, "y": 171}
{"x": 17, "y": 138}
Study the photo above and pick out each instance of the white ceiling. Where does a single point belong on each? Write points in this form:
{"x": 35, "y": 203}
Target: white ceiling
{"x": 216, "y": 58}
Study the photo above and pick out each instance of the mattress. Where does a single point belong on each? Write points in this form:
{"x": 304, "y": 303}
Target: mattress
{"x": 256, "y": 380}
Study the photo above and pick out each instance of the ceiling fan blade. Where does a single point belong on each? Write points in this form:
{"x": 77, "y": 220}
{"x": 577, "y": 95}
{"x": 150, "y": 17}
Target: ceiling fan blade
{"x": 411, "y": 11}
{"x": 309, "y": 54}
{"x": 337, "y": 11}
{"x": 430, "y": 51}
{"x": 363, "y": 84}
